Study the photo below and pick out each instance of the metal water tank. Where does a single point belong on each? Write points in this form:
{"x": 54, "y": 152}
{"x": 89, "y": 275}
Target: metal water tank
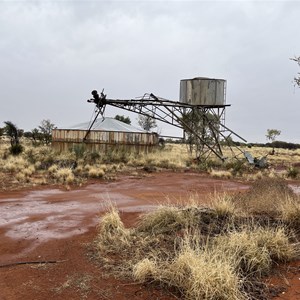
{"x": 203, "y": 91}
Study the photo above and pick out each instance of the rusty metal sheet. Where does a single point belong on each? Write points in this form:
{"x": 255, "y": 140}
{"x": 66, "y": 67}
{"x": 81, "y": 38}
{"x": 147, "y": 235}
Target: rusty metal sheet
{"x": 103, "y": 141}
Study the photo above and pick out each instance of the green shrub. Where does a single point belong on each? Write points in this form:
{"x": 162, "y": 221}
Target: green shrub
{"x": 79, "y": 151}
{"x": 16, "y": 149}
{"x": 236, "y": 167}
{"x": 95, "y": 156}
{"x": 117, "y": 156}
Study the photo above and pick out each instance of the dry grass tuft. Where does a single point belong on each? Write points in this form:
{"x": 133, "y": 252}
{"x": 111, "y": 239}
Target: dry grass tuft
{"x": 203, "y": 275}
{"x": 276, "y": 241}
{"x": 221, "y": 174}
{"x": 64, "y": 175}
{"x": 254, "y": 250}
{"x": 201, "y": 253}
{"x": 164, "y": 219}
{"x": 264, "y": 197}
{"x": 248, "y": 258}
{"x": 144, "y": 270}
{"x": 196, "y": 273}
{"x": 224, "y": 205}
{"x": 170, "y": 219}
{"x": 20, "y": 177}
{"x": 290, "y": 212}
{"x": 96, "y": 172}
{"x": 29, "y": 171}
{"x": 24, "y": 175}
{"x": 53, "y": 169}
{"x": 112, "y": 234}
{"x": 14, "y": 164}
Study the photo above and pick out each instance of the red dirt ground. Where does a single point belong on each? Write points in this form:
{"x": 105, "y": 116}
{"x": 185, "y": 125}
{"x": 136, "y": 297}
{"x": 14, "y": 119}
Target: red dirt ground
{"x": 52, "y": 224}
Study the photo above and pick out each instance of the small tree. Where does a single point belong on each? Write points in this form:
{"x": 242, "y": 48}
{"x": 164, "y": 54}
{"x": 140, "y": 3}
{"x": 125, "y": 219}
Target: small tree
{"x": 45, "y": 129}
{"x": 297, "y": 79}
{"x": 197, "y": 124}
{"x": 14, "y": 133}
{"x": 123, "y": 119}
{"x": 271, "y": 135}
{"x": 27, "y": 134}
{"x": 147, "y": 122}
{"x": 34, "y": 135}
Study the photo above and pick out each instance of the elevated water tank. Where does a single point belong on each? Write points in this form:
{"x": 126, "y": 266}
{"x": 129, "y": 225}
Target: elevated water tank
{"x": 203, "y": 91}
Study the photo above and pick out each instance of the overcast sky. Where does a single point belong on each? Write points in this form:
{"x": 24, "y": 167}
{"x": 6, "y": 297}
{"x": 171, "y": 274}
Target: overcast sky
{"x": 54, "y": 53}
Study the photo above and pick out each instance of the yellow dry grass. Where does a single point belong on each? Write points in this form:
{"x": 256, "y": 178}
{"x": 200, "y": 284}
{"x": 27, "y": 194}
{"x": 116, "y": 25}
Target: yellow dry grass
{"x": 163, "y": 219}
{"x": 281, "y": 156}
{"x": 202, "y": 274}
{"x": 197, "y": 272}
{"x": 173, "y": 156}
{"x": 96, "y": 172}
{"x": 224, "y": 205}
{"x": 290, "y": 211}
{"x": 41, "y": 161}
{"x": 64, "y": 175}
{"x": 253, "y": 250}
{"x": 145, "y": 270}
{"x": 112, "y": 235}
{"x": 221, "y": 174}
{"x": 265, "y": 196}
{"x": 175, "y": 246}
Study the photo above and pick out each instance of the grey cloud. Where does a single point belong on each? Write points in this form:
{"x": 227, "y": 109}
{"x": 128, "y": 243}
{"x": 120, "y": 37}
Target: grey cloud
{"x": 53, "y": 54}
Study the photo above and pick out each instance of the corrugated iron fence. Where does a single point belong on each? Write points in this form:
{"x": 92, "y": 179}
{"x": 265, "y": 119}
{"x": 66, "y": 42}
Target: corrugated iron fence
{"x": 97, "y": 140}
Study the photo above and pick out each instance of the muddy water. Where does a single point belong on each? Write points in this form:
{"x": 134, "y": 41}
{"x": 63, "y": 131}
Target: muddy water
{"x": 34, "y": 217}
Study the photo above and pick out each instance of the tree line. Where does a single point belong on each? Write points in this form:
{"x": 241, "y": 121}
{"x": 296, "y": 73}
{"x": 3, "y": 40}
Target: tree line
{"x": 39, "y": 135}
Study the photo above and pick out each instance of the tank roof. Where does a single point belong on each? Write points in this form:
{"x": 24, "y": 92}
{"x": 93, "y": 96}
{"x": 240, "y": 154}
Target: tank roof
{"x": 107, "y": 124}
{"x": 204, "y": 78}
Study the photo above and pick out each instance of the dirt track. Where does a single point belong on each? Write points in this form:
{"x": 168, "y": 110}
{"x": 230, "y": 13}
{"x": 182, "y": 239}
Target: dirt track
{"x": 52, "y": 224}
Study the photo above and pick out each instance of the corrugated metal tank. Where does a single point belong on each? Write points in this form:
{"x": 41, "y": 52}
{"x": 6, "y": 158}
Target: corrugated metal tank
{"x": 97, "y": 140}
{"x": 203, "y": 91}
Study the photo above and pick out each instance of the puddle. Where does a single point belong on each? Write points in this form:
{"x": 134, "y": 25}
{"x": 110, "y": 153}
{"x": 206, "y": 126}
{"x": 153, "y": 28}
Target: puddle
{"x": 43, "y": 215}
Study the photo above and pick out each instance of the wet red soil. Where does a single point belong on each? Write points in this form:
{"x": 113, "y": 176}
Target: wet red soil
{"x": 53, "y": 224}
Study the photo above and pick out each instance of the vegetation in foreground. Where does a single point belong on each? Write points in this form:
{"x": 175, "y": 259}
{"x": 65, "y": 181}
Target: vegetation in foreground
{"x": 218, "y": 252}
